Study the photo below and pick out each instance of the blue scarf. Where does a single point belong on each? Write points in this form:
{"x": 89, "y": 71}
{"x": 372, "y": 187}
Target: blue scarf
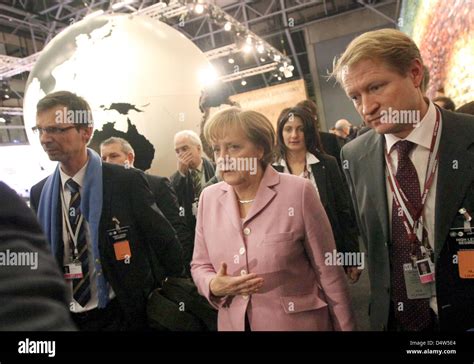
{"x": 91, "y": 207}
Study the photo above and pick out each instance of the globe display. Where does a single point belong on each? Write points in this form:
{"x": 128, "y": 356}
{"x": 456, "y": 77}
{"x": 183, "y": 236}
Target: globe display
{"x": 141, "y": 77}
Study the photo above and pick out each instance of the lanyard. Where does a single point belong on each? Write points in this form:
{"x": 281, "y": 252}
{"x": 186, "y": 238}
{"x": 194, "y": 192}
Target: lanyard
{"x": 71, "y": 234}
{"x": 414, "y": 223}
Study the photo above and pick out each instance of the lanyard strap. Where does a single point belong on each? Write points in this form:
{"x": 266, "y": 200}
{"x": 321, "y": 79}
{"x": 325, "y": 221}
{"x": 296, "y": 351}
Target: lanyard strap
{"x": 414, "y": 223}
{"x": 73, "y": 236}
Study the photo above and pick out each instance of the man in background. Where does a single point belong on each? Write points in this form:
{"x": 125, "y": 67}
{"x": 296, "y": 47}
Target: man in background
{"x": 119, "y": 151}
{"x": 193, "y": 173}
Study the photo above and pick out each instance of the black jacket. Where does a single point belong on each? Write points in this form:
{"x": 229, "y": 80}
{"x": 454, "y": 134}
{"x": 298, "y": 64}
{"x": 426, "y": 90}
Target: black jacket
{"x": 30, "y": 299}
{"x": 167, "y": 202}
{"x": 155, "y": 250}
{"x": 183, "y": 185}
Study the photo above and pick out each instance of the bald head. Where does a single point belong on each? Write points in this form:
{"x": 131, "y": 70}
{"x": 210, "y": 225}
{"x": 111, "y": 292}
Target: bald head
{"x": 343, "y": 128}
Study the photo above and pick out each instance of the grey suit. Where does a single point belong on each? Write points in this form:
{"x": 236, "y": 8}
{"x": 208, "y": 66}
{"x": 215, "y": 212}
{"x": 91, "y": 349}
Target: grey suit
{"x": 365, "y": 172}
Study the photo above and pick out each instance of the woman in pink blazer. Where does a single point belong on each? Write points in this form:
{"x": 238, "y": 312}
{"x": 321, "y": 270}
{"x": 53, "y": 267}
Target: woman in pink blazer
{"x": 262, "y": 238}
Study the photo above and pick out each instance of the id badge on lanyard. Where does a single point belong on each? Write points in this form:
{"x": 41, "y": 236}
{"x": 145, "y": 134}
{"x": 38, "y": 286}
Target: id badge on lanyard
{"x": 72, "y": 269}
{"x": 414, "y": 225}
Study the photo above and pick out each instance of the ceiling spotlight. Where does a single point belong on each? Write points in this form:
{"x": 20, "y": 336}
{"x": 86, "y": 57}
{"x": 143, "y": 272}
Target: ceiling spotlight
{"x": 262, "y": 59}
{"x": 243, "y": 83}
{"x": 199, "y": 9}
{"x": 247, "y": 48}
{"x": 279, "y": 78}
{"x": 231, "y": 61}
{"x": 228, "y": 26}
{"x": 260, "y": 48}
{"x": 249, "y": 40}
{"x": 276, "y": 58}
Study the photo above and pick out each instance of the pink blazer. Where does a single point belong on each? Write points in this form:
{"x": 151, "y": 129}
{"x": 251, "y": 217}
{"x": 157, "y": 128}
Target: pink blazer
{"x": 283, "y": 239}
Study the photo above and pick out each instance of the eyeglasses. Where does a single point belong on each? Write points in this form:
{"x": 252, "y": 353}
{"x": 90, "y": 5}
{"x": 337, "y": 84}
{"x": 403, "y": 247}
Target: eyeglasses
{"x": 53, "y": 130}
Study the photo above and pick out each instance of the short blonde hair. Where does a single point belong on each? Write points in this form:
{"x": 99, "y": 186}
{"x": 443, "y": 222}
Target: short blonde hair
{"x": 391, "y": 46}
{"x": 256, "y": 127}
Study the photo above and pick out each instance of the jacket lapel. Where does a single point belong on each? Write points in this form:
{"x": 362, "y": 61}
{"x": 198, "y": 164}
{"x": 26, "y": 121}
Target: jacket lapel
{"x": 455, "y": 174}
{"x": 374, "y": 162}
{"x": 319, "y": 172}
{"x": 228, "y": 201}
{"x": 265, "y": 193}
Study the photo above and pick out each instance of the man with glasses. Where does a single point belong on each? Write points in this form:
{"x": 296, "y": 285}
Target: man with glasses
{"x": 107, "y": 234}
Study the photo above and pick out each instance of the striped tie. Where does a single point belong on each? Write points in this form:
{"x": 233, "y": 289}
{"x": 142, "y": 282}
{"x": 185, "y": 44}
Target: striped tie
{"x": 197, "y": 185}
{"x": 81, "y": 287}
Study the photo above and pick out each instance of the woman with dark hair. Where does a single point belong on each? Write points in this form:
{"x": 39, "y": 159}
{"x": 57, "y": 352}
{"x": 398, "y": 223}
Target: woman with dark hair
{"x": 299, "y": 153}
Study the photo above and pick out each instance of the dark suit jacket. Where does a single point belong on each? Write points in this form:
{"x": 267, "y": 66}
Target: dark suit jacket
{"x": 331, "y": 144}
{"x": 167, "y": 202}
{"x": 455, "y": 189}
{"x": 155, "y": 250}
{"x": 183, "y": 185}
{"x": 335, "y": 199}
{"x": 30, "y": 299}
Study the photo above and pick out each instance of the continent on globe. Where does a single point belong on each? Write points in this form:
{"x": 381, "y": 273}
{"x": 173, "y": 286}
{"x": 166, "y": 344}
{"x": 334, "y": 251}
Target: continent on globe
{"x": 144, "y": 150}
{"x": 122, "y": 107}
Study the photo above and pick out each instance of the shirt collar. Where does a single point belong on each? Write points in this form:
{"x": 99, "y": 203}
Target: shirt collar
{"x": 310, "y": 159}
{"x": 78, "y": 177}
{"x": 199, "y": 167}
{"x": 421, "y": 135}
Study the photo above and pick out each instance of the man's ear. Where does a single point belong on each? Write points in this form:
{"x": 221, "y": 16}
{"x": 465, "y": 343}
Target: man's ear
{"x": 87, "y": 133}
{"x": 416, "y": 72}
{"x": 131, "y": 158}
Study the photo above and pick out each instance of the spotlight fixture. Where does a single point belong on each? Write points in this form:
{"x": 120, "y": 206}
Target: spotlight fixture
{"x": 247, "y": 48}
{"x": 199, "y": 8}
{"x": 260, "y": 48}
{"x": 228, "y": 26}
{"x": 243, "y": 83}
{"x": 231, "y": 61}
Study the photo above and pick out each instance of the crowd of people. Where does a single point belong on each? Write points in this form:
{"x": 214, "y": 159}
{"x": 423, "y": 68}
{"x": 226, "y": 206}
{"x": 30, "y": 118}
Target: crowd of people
{"x": 256, "y": 224}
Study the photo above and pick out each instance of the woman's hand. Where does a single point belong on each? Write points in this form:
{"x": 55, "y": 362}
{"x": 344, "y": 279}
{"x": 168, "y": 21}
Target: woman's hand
{"x": 225, "y": 285}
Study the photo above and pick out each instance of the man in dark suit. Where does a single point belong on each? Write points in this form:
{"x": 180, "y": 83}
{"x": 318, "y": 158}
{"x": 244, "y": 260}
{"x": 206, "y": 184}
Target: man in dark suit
{"x": 409, "y": 208}
{"x": 108, "y": 236}
{"x": 119, "y": 151}
{"x": 33, "y": 295}
{"x": 193, "y": 173}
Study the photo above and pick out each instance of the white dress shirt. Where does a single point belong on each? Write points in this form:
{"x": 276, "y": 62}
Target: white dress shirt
{"x": 94, "y": 301}
{"x": 421, "y": 136}
{"x": 310, "y": 160}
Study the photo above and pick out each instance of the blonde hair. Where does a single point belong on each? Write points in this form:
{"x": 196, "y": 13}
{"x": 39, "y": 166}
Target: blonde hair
{"x": 391, "y": 46}
{"x": 255, "y": 126}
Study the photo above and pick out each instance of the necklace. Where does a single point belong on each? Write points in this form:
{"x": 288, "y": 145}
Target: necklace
{"x": 246, "y": 201}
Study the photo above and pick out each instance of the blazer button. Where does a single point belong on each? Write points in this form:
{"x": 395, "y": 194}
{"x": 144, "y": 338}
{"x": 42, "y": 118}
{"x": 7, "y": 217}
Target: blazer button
{"x": 242, "y": 251}
{"x": 243, "y": 272}
{"x": 247, "y": 231}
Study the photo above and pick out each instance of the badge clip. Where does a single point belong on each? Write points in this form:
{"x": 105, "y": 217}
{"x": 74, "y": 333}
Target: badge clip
{"x": 117, "y": 223}
{"x": 466, "y": 215}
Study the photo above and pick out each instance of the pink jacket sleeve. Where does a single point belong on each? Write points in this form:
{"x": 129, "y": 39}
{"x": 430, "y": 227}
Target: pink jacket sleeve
{"x": 319, "y": 240}
{"x": 202, "y": 270}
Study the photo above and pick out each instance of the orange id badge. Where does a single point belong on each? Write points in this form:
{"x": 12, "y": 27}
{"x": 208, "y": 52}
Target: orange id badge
{"x": 466, "y": 263}
{"x": 464, "y": 243}
{"x": 120, "y": 240}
